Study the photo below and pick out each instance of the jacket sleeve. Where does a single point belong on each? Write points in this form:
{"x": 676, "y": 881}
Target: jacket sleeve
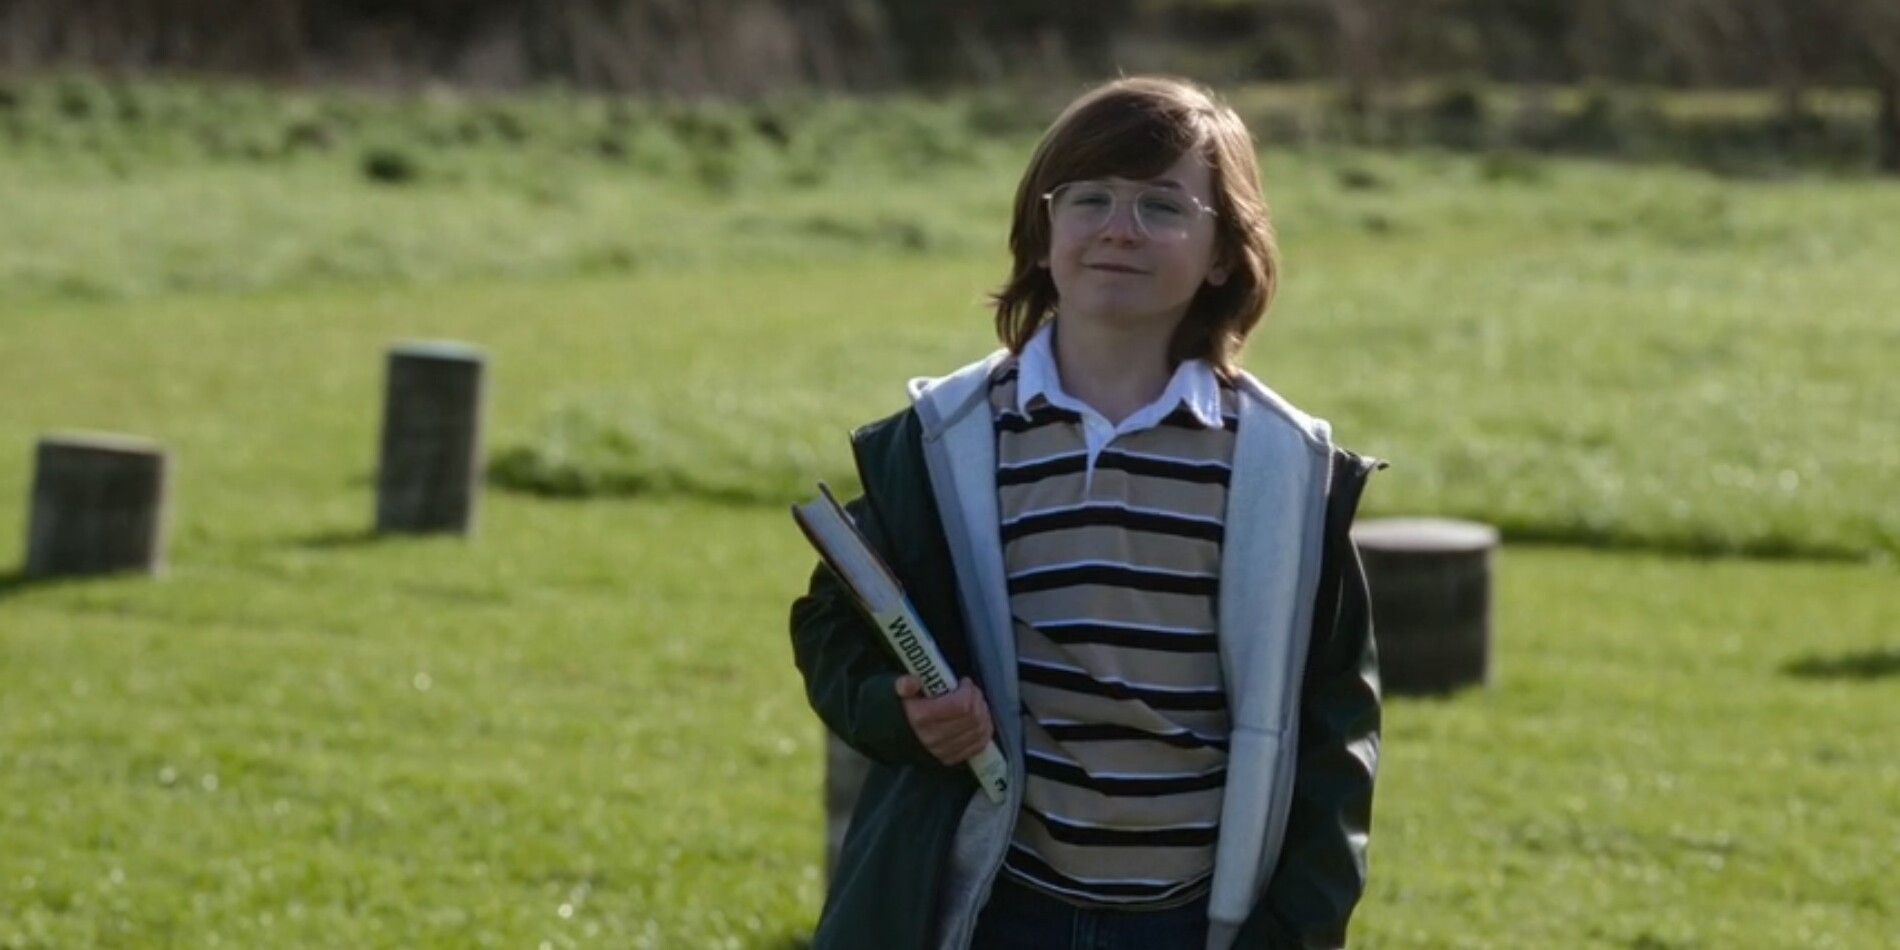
{"x": 1321, "y": 873}
{"x": 850, "y": 680}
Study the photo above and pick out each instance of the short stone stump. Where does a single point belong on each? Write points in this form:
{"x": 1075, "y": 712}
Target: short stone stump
{"x": 428, "y": 476}
{"x": 1430, "y": 580}
{"x": 98, "y": 505}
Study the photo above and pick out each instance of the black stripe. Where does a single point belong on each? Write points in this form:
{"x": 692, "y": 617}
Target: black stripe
{"x": 1011, "y": 421}
{"x": 1078, "y": 682}
{"x": 1113, "y": 732}
{"x": 1113, "y": 575}
{"x": 1136, "y": 638}
{"x": 1087, "y": 836}
{"x": 1113, "y": 516}
{"x": 1025, "y": 863}
{"x": 1203, "y": 473}
{"x": 1200, "y": 473}
{"x": 1075, "y": 775}
{"x": 1037, "y": 471}
{"x": 1184, "y": 418}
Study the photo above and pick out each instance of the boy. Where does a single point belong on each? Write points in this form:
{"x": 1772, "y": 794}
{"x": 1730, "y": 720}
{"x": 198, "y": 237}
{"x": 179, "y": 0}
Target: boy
{"x": 1138, "y": 556}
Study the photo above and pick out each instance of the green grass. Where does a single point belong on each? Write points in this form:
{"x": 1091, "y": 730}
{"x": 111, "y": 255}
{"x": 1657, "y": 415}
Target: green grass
{"x": 1577, "y": 351}
{"x": 307, "y": 736}
{"x": 427, "y": 743}
{"x": 560, "y": 733}
{"x": 610, "y": 713}
{"x": 1649, "y": 769}
{"x": 248, "y": 227}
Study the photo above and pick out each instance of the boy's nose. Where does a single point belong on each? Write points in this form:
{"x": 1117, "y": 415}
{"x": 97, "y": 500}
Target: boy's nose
{"x": 1121, "y": 224}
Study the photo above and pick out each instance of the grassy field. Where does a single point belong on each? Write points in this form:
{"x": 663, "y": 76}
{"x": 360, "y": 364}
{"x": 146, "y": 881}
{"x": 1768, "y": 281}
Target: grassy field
{"x": 1581, "y": 352}
{"x": 582, "y": 727}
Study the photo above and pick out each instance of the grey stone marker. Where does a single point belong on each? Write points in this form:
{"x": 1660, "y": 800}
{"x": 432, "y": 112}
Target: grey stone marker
{"x": 98, "y": 505}
{"x": 1430, "y": 580}
{"x": 844, "y": 776}
{"x": 428, "y": 477}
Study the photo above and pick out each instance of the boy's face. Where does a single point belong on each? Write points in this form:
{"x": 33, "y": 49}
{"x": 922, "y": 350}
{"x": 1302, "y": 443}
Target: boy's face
{"x": 1128, "y": 273}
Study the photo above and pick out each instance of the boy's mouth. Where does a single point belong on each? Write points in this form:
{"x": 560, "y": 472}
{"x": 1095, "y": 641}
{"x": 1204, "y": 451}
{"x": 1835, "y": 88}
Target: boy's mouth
{"x": 1115, "y": 268}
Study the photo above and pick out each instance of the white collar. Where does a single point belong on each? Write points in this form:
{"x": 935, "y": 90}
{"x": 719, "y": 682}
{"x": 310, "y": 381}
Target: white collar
{"x": 1193, "y": 385}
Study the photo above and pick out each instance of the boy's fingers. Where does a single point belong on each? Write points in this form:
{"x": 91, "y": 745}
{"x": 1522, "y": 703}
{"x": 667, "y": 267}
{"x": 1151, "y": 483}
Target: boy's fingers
{"x": 954, "y": 745}
{"x": 950, "y": 713}
{"x": 980, "y": 715}
{"x": 962, "y": 701}
{"x": 981, "y": 734}
{"x": 967, "y": 752}
{"x": 944, "y": 706}
{"x": 946, "y": 733}
{"x": 977, "y": 704}
{"x": 964, "y": 749}
{"x": 962, "y": 736}
{"x": 943, "y": 733}
{"x": 953, "y": 726}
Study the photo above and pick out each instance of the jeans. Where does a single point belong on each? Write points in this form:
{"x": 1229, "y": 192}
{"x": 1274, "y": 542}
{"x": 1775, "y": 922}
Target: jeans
{"x": 1019, "y": 918}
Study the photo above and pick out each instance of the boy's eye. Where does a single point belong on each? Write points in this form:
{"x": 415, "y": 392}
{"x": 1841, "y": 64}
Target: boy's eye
{"x": 1090, "y": 198}
{"x": 1163, "y": 207}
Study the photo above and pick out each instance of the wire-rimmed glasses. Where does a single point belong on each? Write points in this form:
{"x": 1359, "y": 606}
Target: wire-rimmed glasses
{"x": 1161, "y": 213}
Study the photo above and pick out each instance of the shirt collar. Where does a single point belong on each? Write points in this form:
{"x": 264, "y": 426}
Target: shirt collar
{"x": 1193, "y": 384}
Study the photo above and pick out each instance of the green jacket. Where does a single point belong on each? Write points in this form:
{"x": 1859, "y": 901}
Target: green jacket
{"x": 922, "y": 850}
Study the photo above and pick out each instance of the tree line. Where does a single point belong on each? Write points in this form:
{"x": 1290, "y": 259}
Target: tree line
{"x": 740, "y": 46}
{"x": 747, "y": 48}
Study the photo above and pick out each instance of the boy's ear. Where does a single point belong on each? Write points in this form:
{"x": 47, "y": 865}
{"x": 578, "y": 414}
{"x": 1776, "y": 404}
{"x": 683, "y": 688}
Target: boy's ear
{"x": 1217, "y": 274}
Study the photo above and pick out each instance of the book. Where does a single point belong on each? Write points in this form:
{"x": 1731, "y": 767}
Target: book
{"x": 878, "y": 594}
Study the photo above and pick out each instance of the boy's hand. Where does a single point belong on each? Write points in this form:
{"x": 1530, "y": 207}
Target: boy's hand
{"x": 954, "y": 726}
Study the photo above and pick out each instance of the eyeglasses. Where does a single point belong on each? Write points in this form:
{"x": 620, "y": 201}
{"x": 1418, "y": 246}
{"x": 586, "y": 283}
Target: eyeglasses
{"x": 1161, "y": 214}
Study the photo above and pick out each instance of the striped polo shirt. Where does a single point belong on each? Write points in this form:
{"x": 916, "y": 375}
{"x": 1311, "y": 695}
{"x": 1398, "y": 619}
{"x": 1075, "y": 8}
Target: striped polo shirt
{"x": 1112, "y": 543}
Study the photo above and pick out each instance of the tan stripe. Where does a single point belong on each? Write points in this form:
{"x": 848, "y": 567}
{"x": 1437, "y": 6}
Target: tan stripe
{"x": 1113, "y": 863}
{"x": 1115, "y": 604}
{"x": 1175, "y": 670}
{"x": 1071, "y": 802}
{"x": 1113, "y": 543}
{"x": 1211, "y": 722}
{"x": 1061, "y": 438}
{"x": 1014, "y": 448}
{"x": 1082, "y": 707}
{"x": 1129, "y": 759}
{"x": 1183, "y": 892}
{"x": 1050, "y": 703}
{"x": 1167, "y": 494}
{"x": 1190, "y": 445}
{"x": 1203, "y": 445}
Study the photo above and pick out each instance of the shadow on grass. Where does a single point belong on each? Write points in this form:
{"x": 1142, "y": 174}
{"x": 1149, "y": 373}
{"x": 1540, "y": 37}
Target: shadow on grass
{"x": 338, "y": 538}
{"x": 1873, "y": 664}
{"x": 19, "y": 582}
{"x": 1689, "y": 543}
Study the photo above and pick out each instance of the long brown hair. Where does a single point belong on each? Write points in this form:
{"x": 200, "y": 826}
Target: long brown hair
{"x": 1136, "y": 128}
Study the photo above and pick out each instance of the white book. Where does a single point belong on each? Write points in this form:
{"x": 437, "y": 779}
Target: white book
{"x": 830, "y": 529}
